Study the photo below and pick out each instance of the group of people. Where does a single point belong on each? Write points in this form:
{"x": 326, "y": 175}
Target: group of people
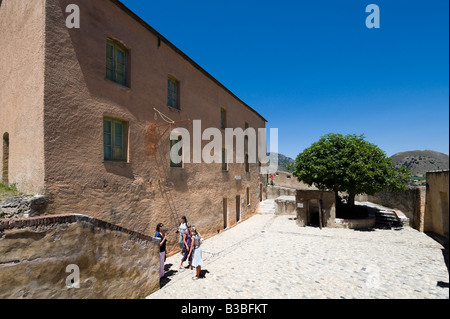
{"x": 190, "y": 242}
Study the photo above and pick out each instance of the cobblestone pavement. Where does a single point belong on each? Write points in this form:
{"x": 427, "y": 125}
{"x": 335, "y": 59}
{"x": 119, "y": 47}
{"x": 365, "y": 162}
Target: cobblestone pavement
{"x": 270, "y": 257}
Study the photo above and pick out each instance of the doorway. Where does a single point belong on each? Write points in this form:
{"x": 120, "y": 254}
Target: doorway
{"x": 313, "y": 213}
{"x": 238, "y": 208}
{"x": 225, "y": 213}
{"x": 5, "y": 166}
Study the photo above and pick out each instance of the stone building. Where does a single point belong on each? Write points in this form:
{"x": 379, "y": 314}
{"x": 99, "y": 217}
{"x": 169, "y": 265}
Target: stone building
{"x": 76, "y": 105}
{"x": 436, "y": 207}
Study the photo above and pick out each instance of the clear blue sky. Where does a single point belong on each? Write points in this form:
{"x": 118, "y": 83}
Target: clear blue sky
{"x": 312, "y": 67}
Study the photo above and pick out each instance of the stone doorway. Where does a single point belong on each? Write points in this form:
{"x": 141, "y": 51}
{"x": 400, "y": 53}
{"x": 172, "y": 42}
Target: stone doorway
{"x": 238, "y": 208}
{"x": 225, "y": 213}
{"x": 313, "y": 218}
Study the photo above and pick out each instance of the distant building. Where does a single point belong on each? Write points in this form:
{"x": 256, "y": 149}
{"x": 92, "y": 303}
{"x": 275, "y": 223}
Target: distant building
{"x": 75, "y": 107}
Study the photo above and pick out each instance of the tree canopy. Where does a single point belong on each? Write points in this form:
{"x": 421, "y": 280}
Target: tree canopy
{"x": 349, "y": 164}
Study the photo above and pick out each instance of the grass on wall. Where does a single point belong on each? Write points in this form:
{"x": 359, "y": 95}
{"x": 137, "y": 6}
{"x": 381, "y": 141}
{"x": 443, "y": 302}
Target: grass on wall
{"x": 8, "y": 191}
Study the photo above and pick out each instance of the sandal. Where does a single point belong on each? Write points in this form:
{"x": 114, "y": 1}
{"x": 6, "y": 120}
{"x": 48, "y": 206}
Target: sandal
{"x": 194, "y": 278}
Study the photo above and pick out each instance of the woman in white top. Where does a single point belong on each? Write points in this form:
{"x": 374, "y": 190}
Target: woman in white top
{"x": 196, "y": 251}
{"x": 181, "y": 229}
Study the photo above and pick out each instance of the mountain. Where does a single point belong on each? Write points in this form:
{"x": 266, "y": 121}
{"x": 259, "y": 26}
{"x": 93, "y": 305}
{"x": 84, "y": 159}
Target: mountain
{"x": 421, "y": 162}
{"x": 282, "y": 161}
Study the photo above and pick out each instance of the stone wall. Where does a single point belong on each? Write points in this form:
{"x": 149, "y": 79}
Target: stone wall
{"x": 285, "y": 205}
{"x": 285, "y": 179}
{"x": 411, "y": 202}
{"x": 23, "y": 206}
{"x": 273, "y": 192}
{"x": 308, "y": 207}
{"x": 437, "y": 198}
{"x": 114, "y": 262}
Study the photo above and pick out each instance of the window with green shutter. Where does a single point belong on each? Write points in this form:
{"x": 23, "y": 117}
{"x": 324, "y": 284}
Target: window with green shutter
{"x": 116, "y": 62}
{"x": 114, "y": 139}
{"x": 173, "y": 92}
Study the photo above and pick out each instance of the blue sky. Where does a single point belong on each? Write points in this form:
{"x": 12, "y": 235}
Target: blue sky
{"x": 312, "y": 67}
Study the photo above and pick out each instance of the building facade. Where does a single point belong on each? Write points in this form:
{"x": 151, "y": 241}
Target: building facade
{"x": 436, "y": 207}
{"x": 76, "y": 107}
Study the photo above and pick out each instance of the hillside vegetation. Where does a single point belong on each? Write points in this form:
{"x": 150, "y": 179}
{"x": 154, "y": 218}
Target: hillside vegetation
{"x": 421, "y": 162}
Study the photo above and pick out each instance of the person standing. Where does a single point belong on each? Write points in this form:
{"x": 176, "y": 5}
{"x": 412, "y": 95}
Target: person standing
{"x": 181, "y": 229}
{"x": 187, "y": 242}
{"x": 196, "y": 251}
{"x": 161, "y": 233}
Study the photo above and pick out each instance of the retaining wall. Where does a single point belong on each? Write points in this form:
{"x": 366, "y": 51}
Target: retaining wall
{"x": 114, "y": 262}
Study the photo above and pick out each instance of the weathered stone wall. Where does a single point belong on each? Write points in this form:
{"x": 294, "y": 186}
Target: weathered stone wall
{"x": 285, "y": 205}
{"x": 307, "y": 202}
{"x": 113, "y": 262}
{"x": 23, "y": 206}
{"x": 437, "y": 207}
{"x": 285, "y": 179}
{"x": 411, "y": 202}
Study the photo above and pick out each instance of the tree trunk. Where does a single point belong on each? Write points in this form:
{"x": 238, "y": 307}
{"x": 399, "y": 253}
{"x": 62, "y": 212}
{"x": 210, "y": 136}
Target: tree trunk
{"x": 337, "y": 198}
{"x": 351, "y": 200}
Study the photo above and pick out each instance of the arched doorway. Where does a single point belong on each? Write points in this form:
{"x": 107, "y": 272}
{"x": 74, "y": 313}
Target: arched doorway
{"x": 5, "y": 164}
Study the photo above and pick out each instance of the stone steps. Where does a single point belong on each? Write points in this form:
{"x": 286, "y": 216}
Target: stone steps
{"x": 267, "y": 207}
{"x": 385, "y": 219}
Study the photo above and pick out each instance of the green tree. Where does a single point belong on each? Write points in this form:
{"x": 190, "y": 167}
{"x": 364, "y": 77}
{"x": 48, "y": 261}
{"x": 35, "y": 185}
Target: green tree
{"x": 349, "y": 164}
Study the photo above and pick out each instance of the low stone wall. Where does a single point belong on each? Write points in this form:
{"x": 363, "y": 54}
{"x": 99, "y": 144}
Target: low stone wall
{"x": 113, "y": 262}
{"x": 363, "y": 223}
{"x": 285, "y": 205}
{"x": 23, "y": 206}
{"x": 273, "y": 192}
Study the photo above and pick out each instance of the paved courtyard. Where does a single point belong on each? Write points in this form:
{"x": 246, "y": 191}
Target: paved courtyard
{"x": 270, "y": 257}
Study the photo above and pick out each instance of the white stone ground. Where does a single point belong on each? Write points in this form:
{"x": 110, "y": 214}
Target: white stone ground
{"x": 270, "y": 257}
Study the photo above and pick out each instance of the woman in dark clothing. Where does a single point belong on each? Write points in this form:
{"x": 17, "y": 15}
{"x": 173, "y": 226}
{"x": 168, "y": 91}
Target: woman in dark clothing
{"x": 161, "y": 232}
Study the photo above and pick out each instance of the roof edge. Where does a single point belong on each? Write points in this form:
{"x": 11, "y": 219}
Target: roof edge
{"x": 177, "y": 50}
